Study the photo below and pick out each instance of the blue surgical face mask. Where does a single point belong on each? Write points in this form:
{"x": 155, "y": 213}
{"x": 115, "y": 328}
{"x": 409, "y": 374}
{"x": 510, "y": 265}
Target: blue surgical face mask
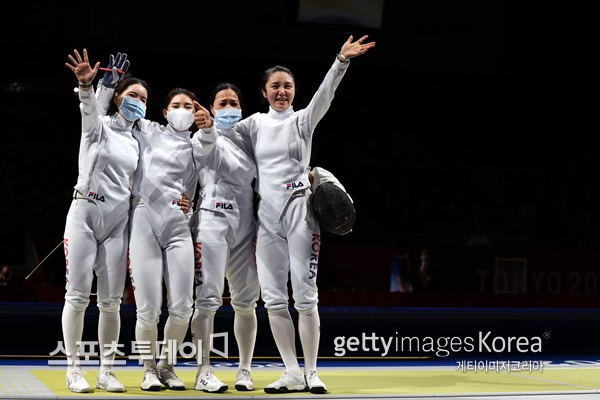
{"x": 228, "y": 117}
{"x": 132, "y": 109}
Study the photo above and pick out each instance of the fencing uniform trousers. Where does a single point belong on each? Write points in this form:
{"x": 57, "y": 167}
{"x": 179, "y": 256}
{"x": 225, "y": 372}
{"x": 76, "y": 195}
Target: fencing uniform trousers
{"x": 222, "y": 251}
{"x": 92, "y": 247}
{"x": 292, "y": 247}
{"x": 152, "y": 260}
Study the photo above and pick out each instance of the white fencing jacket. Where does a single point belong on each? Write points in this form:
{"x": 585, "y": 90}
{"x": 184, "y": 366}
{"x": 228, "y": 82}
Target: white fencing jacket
{"x": 282, "y": 143}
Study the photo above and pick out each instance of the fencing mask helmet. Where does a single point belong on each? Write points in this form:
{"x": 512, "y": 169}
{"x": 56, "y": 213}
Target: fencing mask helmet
{"x": 333, "y": 208}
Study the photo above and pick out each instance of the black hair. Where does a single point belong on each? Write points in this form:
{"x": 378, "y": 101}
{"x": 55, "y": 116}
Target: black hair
{"x": 224, "y": 86}
{"x": 267, "y": 74}
{"x": 123, "y": 84}
{"x": 174, "y": 92}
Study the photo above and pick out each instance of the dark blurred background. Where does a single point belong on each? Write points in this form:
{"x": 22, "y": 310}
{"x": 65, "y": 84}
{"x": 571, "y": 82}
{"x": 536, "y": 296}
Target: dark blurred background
{"x": 466, "y": 117}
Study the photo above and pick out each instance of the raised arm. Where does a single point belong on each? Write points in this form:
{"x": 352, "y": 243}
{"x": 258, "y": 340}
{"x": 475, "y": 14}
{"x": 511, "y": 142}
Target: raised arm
{"x": 322, "y": 99}
{"x": 85, "y": 74}
{"x": 117, "y": 67}
{"x": 352, "y": 49}
{"x": 114, "y": 73}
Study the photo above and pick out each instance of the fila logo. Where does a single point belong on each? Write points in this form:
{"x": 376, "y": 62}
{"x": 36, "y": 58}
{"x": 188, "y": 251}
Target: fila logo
{"x": 96, "y": 196}
{"x": 174, "y": 202}
{"x": 293, "y": 185}
{"x": 224, "y": 206}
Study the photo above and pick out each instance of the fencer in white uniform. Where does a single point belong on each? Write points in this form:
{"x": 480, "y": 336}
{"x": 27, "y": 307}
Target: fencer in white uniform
{"x": 288, "y": 235}
{"x": 96, "y": 231}
{"x": 160, "y": 245}
{"x": 225, "y": 230}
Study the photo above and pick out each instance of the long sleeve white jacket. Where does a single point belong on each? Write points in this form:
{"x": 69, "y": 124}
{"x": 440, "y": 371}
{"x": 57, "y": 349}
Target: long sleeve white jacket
{"x": 108, "y": 156}
{"x": 282, "y": 143}
{"x": 165, "y": 171}
{"x": 226, "y": 171}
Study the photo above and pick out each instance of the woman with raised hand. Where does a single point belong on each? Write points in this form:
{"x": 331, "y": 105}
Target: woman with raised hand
{"x": 288, "y": 235}
{"x": 96, "y": 231}
{"x": 160, "y": 244}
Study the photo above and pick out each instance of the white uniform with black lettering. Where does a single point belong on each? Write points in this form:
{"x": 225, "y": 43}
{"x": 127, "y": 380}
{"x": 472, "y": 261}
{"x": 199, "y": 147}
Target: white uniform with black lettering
{"x": 160, "y": 246}
{"x": 288, "y": 236}
{"x": 96, "y": 230}
{"x": 225, "y": 232}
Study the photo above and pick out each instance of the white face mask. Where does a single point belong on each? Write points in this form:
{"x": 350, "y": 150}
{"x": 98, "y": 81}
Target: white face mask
{"x": 180, "y": 119}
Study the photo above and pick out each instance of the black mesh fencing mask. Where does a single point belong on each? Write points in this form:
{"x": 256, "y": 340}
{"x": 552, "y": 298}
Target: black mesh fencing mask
{"x": 333, "y": 208}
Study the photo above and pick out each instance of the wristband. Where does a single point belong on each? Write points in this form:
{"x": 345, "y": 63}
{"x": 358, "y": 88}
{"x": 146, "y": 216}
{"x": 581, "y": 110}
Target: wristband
{"x": 342, "y": 58}
{"x": 85, "y": 85}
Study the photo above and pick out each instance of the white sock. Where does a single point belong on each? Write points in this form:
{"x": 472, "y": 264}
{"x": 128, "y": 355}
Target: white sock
{"x": 244, "y": 328}
{"x": 202, "y": 328}
{"x": 284, "y": 334}
{"x": 309, "y": 330}
{"x": 109, "y": 326}
{"x": 145, "y": 333}
{"x": 174, "y": 332}
{"x": 72, "y": 327}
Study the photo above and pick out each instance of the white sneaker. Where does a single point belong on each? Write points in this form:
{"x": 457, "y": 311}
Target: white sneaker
{"x": 151, "y": 381}
{"x": 208, "y": 382}
{"x": 76, "y": 382}
{"x": 167, "y": 376}
{"x": 289, "y": 382}
{"x": 107, "y": 380}
{"x": 243, "y": 380}
{"x": 315, "y": 385}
